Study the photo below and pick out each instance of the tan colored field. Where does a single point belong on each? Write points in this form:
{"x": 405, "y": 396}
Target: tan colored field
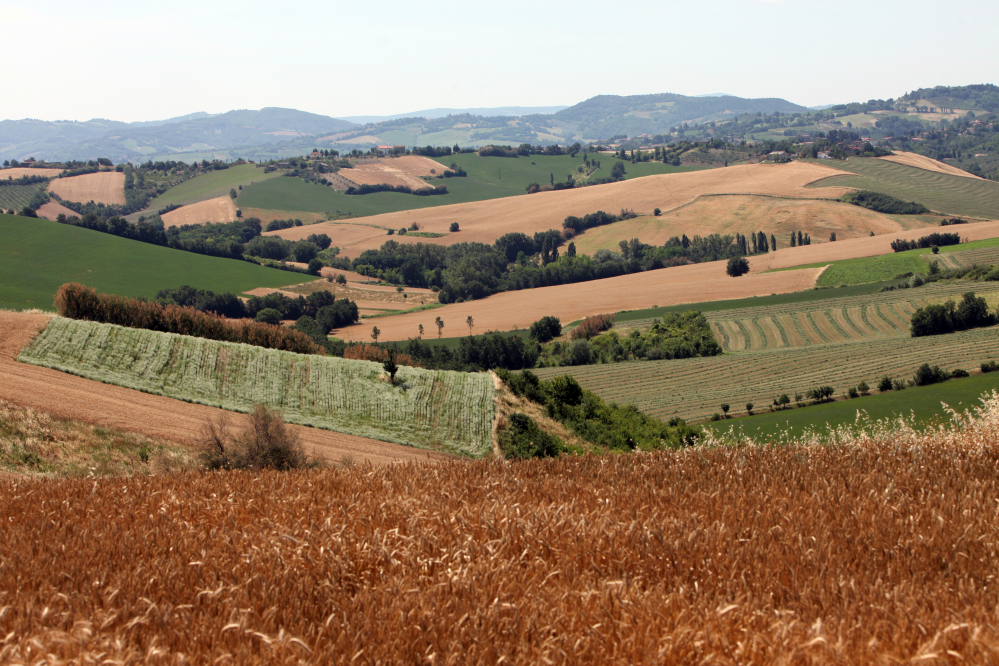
{"x": 485, "y": 221}
{"x": 743, "y": 214}
{"x": 106, "y": 187}
{"x": 154, "y": 416}
{"x": 928, "y": 163}
{"x": 861, "y": 247}
{"x": 18, "y": 172}
{"x": 395, "y": 171}
{"x": 52, "y": 210}
{"x": 519, "y": 309}
{"x": 219, "y": 209}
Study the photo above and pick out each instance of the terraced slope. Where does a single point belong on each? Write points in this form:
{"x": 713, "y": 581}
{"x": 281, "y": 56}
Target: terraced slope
{"x": 445, "y": 411}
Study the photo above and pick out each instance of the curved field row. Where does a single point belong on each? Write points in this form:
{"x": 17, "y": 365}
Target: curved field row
{"x": 118, "y": 408}
{"x": 927, "y": 163}
{"x": 106, "y": 187}
{"x": 485, "y": 221}
{"x": 449, "y": 411}
{"x": 966, "y": 258}
{"x": 694, "y": 388}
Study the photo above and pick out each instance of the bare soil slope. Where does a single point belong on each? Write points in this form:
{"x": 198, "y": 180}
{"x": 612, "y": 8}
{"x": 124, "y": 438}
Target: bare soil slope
{"x": 746, "y": 214}
{"x": 861, "y": 247}
{"x": 106, "y": 187}
{"x": 928, "y": 163}
{"x": 518, "y": 309}
{"x": 154, "y": 416}
{"x": 219, "y": 209}
{"x": 485, "y": 221}
{"x": 407, "y": 170}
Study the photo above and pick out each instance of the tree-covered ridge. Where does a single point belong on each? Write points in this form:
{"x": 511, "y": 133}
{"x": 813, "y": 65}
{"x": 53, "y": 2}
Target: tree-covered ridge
{"x": 984, "y": 97}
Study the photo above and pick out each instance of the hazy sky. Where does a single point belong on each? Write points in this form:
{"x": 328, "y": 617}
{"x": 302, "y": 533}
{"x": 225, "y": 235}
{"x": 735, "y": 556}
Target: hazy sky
{"x": 145, "y": 61}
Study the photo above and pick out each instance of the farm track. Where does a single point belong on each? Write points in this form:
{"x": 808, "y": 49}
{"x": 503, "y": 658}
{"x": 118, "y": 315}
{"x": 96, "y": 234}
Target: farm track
{"x": 694, "y": 388}
{"x": 74, "y": 397}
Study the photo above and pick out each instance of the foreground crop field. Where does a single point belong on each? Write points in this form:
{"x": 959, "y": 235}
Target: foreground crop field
{"x": 159, "y": 418}
{"x": 447, "y": 411}
{"x": 485, "y": 221}
{"x": 519, "y": 309}
{"x": 37, "y": 256}
{"x": 868, "y": 317}
{"x": 694, "y": 388}
{"x": 106, "y": 187}
{"x": 877, "y": 551}
{"x": 942, "y": 192}
{"x": 217, "y": 210}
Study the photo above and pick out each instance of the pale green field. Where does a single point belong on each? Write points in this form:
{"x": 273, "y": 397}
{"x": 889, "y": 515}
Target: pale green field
{"x": 211, "y": 185}
{"x": 443, "y": 411}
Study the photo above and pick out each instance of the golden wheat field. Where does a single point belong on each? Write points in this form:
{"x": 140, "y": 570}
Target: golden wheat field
{"x": 217, "y": 210}
{"x": 745, "y": 215}
{"x": 485, "y": 221}
{"x": 873, "y": 551}
{"x": 106, "y": 187}
{"x": 928, "y": 163}
{"x": 52, "y": 210}
{"x": 508, "y": 310}
{"x": 20, "y": 172}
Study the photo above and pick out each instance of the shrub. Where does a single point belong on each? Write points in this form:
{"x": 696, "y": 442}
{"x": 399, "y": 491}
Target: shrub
{"x": 989, "y": 366}
{"x": 960, "y": 372}
{"x": 267, "y": 442}
{"x": 591, "y": 326}
{"x": 453, "y": 227}
{"x": 546, "y": 328}
{"x": 737, "y": 266}
{"x": 522, "y": 439}
{"x": 926, "y": 375}
{"x": 77, "y": 301}
{"x": 268, "y": 316}
{"x": 315, "y": 266}
{"x": 565, "y": 390}
{"x": 898, "y": 385}
{"x": 852, "y": 392}
{"x": 885, "y": 384}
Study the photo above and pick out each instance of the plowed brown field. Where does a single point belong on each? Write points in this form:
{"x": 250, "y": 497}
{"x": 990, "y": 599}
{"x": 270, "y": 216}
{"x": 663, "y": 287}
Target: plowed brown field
{"x": 928, "y": 163}
{"x": 871, "y": 246}
{"x": 219, "y": 209}
{"x": 18, "y": 172}
{"x": 110, "y": 406}
{"x": 485, "y": 221}
{"x": 668, "y": 286}
{"x": 406, "y": 170}
{"x": 106, "y": 187}
{"x": 51, "y": 211}
{"x": 743, "y": 214}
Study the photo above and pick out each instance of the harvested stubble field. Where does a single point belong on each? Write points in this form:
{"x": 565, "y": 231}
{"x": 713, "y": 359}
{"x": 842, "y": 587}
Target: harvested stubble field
{"x": 882, "y": 315}
{"x": 725, "y": 214}
{"x": 216, "y": 211}
{"x": 928, "y": 163}
{"x": 519, "y": 309}
{"x": 164, "y": 419}
{"x": 982, "y": 256}
{"x": 20, "y": 172}
{"x": 856, "y": 248}
{"x": 876, "y": 551}
{"x": 485, "y": 221}
{"x": 436, "y": 410}
{"x": 52, "y": 210}
{"x": 106, "y": 187}
{"x": 942, "y": 192}
{"x": 406, "y": 170}
{"x": 694, "y": 388}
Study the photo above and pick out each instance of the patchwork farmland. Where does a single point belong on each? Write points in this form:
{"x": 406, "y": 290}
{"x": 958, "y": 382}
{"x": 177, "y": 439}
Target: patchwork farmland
{"x": 441, "y": 411}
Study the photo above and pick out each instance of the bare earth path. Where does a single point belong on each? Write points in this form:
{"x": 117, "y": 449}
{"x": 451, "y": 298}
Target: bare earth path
{"x": 110, "y": 406}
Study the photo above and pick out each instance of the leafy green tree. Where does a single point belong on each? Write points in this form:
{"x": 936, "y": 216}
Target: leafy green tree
{"x": 232, "y": 193}
{"x": 389, "y": 365}
{"x": 341, "y": 278}
{"x": 470, "y": 323}
{"x": 885, "y": 384}
{"x": 725, "y": 407}
{"x": 863, "y": 388}
{"x": 454, "y": 227}
{"x": 749, "y": 408}
{"x": 268, "y": 316}
{"x": 421, "y": 330}
{"x": 315, "y": 266}
{"x": 737, "y": 266}
{"x": 375, "y": 333}
{"x": 440, "y": 326}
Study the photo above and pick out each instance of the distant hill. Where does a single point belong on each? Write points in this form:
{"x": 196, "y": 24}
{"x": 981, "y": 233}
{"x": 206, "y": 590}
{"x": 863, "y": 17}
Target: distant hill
{"x": 984, "y": 97}
{"x": 442, "y": 113}
{"x": 198, "y": 132}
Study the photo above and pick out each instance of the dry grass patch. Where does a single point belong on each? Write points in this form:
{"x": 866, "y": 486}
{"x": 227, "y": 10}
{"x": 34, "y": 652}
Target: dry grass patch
{"x": 52, "y": 210}
{"x": 19, "y": 172}
{"x": 928, "y": 163}
{"x": 218, "y": 210}
{"x": 106, "y": 187}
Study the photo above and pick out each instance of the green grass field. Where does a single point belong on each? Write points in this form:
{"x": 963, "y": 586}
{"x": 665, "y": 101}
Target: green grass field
{"x": 488, "y": 178}
{"x": 211, "y": 185}
{"x": 37, "y": 256}
{"x": 922, "y": 402}
{"x": 16, "y": 196}
{"x": 448, "y": 411}
{"x": 951, "y": 195}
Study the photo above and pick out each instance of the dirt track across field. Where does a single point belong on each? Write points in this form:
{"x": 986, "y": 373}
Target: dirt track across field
{"x": 485, "y": 221}
{"x": 569, "y": 302}
{"x": 928, "y": 163}
{"x": 855, "y": 248}
{"x": 106, "y": 187}
{"x": 155, "y": 416}
{"x": 217, "y": 210}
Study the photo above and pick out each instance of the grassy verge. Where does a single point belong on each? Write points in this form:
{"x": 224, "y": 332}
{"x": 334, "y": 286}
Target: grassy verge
{"x": 922, "y": 401}
{"x": 37, "y": 256}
